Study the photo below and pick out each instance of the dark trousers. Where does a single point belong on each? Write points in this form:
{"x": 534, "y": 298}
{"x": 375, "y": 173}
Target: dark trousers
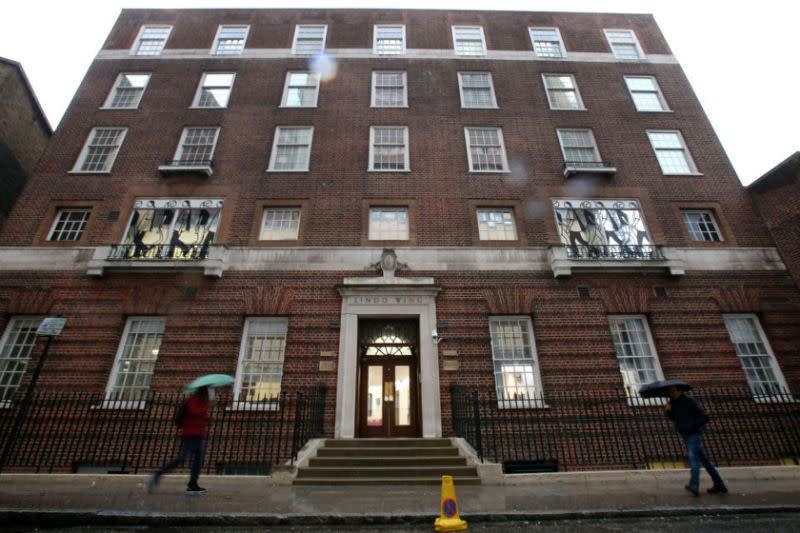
{"x": 697, "y": 457}
{"x": 193, "y": 446}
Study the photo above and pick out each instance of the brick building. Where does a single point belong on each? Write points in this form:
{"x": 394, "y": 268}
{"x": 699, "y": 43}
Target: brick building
{"x": 391, "y": 203}
{"x": 24, "y": 132}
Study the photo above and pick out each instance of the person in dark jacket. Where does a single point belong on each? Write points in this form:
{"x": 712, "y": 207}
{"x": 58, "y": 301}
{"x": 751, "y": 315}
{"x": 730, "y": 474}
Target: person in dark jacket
{"x": 690, "y": 420}
{"x": 193, "y": 434}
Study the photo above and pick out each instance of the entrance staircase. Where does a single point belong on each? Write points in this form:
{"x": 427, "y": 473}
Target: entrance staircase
{"x": 386, "y": 461}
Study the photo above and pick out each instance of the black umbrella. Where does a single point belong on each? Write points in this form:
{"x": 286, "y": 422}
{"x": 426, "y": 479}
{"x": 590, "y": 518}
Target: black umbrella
{"x": 658, "y": 389}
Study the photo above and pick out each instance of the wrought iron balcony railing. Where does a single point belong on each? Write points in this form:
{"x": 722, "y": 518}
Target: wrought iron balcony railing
{"x": 158, "y": 252}
{"x": 186, "y": 166}
{"x": 588, "y": 167}
{"x": 616, "y": 252}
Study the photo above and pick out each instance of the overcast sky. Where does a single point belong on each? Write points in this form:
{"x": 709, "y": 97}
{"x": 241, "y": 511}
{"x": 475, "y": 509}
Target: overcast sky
{"x": 742, "y": 58}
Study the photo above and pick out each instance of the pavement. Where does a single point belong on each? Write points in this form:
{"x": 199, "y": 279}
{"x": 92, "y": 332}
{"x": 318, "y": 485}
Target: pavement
{"x": 56, "y": 500}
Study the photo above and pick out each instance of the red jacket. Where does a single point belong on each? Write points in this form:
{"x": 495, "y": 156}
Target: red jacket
{"x": 196, "y": 422}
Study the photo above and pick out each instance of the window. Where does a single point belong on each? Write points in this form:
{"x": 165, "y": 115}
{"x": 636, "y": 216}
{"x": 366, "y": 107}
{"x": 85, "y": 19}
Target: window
{"x": 151, "y": 40}
{"x": 389, "y": 40}
{"x": 291, "y": 149}
{"x": 636, "y": 354}
{"x": 389, "y": 89}
{"x": 496, "y": 224}
{"x": 280, "y": 224}
{"x": 230, "y": 40}
{"x": 309, "y": 39}
{"x": 602, "y": 229}
{"x": 671, "y": 152}
{"x": 388, "y": 148}
{"x": 624, "y": 44}
{"x": 516, "y": 369}
{"x": 100, "y": 150}
{"x": 301, "y": 89}
{"x": 469, "y": 41}
{"x": 127, "y": 91}
{"x": 758, "y": 362}
{"x": 578, "y": 146}
{"x": 645, "y": 93}
{"x": 171, "y": 228}
{"x": 69, "y": 224}
{"x": 136, "y": 358}
{"x": 16, "y": 347}
{"x": 562, "y": 91}
{"x": 485, "y": 150}
{"x": 701, "y": 225}
{"x": 477, "y": 90}
{"x": 547, "y": 42}
{"x": 196, "y": 145}
{"x": 388, "y": 224}
{"x": 214, "y": 90}
{"x": 260, "y": 369}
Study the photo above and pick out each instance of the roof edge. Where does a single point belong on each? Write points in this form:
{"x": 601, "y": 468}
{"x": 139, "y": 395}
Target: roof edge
{"x": 780, "y": 167}
{"x": 34, "y": 100}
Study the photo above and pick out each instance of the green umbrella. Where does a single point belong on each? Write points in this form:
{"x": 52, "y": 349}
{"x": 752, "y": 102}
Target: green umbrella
{"x": 210, "y": 380}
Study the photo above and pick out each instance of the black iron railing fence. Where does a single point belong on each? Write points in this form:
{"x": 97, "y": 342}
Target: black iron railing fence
{"x": 601, "y": 430}
{"x": 84, "y": 432}
{"x": 158, "y": 252}
{"x": 615, "y": 252}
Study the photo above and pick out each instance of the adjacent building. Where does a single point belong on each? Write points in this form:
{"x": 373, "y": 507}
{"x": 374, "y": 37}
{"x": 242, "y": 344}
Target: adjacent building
{"x": 391, "y": 203}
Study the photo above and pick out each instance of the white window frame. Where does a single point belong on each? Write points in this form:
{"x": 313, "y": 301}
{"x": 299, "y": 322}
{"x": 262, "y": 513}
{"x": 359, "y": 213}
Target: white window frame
{"x": 286, "y": 86}
{"x": 4, "y": 340}
{"x": 179, "y": 148}
{"x": 77, "y": 169}
{"x": 66, "y": 210}
{"x": 597, "y": 157}
{"x": 581, "y": 106}
{"x": 659, "y": 95}
{"x": 322, "y": 45}
{"x": 632, "y": 389}
{"x": 457, "y": 27}
{"x": 271, "y": 404}
{"x": 113, "y": 92}
{"x": 375, "y": 29}
{"x": 561, "y": 46}
{"x": 505, "y": 168}
{"x": 389, "y": 208}
{"x": 684, "y": 148}
{"x": 493, "y": 96}
{"x": 774, "y": 366}
{"x": 634, "y": 38}
{"x": 108, "y": 403}
{"x": 713, "y": 221}
{"x": 406, "y": 159}
{"x": 137, "y": 42}
{"x": 273, "y": 156}
{"x": 538, "y": 400}
{"x": 373, "y": 92}
{"x": 497, "y": 209}
{"x": 201, "y": 85}
{"x": 266, "y": 208}
{"x": 215, "y": 46}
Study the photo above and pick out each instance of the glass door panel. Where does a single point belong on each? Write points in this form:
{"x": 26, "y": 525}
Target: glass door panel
{"x": 402, "y": 399}
{"x": 374, "y": 396}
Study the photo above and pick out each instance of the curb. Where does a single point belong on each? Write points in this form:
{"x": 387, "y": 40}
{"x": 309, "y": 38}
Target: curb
{"x": 30, "y": 518}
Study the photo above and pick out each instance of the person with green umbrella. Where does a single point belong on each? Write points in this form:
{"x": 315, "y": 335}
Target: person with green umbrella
{"x": 192, "y": 419}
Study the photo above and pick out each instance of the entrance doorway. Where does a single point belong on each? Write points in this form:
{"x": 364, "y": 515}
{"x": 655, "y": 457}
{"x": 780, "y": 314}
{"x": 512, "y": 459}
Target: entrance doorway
{"x": 388, "y": 398}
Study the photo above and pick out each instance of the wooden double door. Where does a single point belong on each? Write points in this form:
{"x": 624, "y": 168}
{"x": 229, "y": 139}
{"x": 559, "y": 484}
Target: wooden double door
{"x": 388, "y": 381}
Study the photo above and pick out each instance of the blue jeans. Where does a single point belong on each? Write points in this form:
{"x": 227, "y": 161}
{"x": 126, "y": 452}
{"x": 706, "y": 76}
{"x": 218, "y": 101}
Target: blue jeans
{"x": 193, "y": 446}
{"x": 697, "y": 456}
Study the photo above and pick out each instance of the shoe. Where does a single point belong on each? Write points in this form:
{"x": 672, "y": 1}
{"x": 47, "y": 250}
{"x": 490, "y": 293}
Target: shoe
{"x": 195, "y": 490}
{"x": 692, "y": 489}
{"x": 152, "y": 481}
{"x": 722, "y": 489}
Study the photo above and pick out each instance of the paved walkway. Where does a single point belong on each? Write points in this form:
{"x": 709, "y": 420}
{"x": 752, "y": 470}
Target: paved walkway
{"x": 118, "y": 500}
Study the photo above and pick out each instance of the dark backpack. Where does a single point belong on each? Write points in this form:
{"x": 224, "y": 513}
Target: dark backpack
{"x": 180, "y": 414}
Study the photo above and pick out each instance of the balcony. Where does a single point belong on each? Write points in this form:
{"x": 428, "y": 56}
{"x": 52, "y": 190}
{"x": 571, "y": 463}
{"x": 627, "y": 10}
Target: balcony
{"x": 187, "y": 166}
{"x": 158, "y": 258}
{"x": 565, "y": 259}
{"x": 572, "y": 168}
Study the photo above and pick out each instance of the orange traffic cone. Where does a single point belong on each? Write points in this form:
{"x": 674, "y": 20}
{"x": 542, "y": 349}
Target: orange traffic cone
{"x": 448, "y": 517}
